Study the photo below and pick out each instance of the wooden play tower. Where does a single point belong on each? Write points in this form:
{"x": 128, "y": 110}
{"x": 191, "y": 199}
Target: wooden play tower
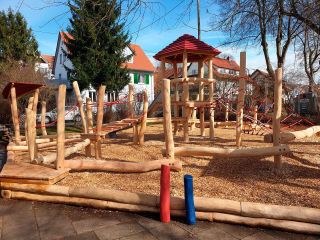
{"x": 187, "y": 49}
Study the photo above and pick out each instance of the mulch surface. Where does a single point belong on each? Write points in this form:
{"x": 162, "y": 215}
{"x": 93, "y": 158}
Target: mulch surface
{"x": 242, "y": 179}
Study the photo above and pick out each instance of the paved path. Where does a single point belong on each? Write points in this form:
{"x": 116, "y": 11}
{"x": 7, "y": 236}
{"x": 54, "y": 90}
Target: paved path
{"x": 35, "y": 220}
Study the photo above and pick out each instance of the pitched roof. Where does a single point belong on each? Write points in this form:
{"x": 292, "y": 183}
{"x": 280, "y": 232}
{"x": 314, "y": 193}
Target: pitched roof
{"x": 140, "y": 60}
{"x": 225, "y": 63}
{"x": 188, "y": 43}
{"x": 48, "y": 59}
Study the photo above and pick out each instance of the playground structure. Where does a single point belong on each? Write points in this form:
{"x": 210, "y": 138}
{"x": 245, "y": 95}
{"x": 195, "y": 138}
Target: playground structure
{"x": 26, "y": 180}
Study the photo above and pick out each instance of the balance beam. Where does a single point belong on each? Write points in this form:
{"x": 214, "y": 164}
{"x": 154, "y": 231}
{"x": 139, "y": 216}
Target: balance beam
{"x": 231, "y": 153}
{"x": 296, "y": 135}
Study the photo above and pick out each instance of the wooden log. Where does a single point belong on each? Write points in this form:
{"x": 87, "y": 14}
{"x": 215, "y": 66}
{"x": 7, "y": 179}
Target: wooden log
{"x": 276, "y": 121}
{"x": 255, "y": 115}
{"x": 38, "y": 140}
{"x": 30, "y": 103}
{"x": 31, "y": 134}
{"x": 211, "y": 92}
{"x": 54, "y": 136}
{"x": 240, "y": 103}
{"x": 102, "y": 90}
{"x": 67, "y": 152}
{"x": 144, "y": 118}
{"x": 89, "y": 124}
{"x": 131, "y": 100}
{"x": 43, "y": 118}
{"x": 124, "y": 167}
{"x": 54, "y": 143}
{"x": 186, "y": 111}
{"x": 226, "y": 117}
{"x": 231, "y": 153}
{"x": 295, "y": 135}
{"x": 60, "y": 155}
{"x": 167, "y": 125}
{"x": 295, "y": 226}
{"x": 176, "y": 98}
{"x": 15, "y": 117}
{"x": 201, "y": 97}
{"x": 34, "y": 112}
{"x": 80, "y": 105}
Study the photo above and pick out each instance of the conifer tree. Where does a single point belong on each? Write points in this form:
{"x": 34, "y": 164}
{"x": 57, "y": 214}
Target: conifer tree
{"x": 97, "y": 44}
{"x": 17, "y": 42}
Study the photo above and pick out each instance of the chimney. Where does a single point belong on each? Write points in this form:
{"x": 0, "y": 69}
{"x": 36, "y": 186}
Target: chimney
{"x": 228, "y": 58}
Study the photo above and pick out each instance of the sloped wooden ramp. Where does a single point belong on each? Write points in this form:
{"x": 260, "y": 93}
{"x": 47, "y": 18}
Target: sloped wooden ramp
{"x": 20, "y": 172}
{"x": 120, "y": 125}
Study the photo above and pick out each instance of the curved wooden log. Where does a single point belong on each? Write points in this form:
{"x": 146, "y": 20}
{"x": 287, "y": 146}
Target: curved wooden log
{"x": 210, "y": 216}
{"x": 296, "y": 135}
{"x": 68, "y": 151}
{"x": 231, "y": 153}
{"x": 125, "y": 167}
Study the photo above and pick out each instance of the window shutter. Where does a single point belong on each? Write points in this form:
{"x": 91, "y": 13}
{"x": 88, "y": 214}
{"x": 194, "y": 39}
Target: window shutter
{"x": 147, "y": 79}
{"x": 136, "y": 78}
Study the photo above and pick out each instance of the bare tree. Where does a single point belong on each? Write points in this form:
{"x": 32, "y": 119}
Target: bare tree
{"x": 309, "y": 49}
{"x": 257, "y": 22}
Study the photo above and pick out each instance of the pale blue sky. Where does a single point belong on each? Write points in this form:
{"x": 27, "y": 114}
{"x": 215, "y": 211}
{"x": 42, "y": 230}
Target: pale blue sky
{"x": 46, "y": 22}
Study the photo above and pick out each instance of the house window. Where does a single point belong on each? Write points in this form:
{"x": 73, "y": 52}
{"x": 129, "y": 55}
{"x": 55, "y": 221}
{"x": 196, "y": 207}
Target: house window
{"x": 141, "y": 78}
{"x": 59, "y": 76}
{"x": 64, "y": 57}
{"x": 194, "y": 72}
{"x": 232, "y": 72}
{"x": 60, "y": 58}
{"x": 222, "y": 70}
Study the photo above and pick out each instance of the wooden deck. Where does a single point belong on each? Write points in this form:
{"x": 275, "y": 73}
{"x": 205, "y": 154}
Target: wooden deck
{"x": 20, "y": 172}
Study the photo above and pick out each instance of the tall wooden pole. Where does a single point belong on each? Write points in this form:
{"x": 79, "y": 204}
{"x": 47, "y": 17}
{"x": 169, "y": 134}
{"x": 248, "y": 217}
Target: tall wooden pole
{"x": 34, "y": 112}
{"x": 255, "y": 115}
{"x": 144, "y": 118}
{"x": 277, "y": 115}
{"x": 176, "y": 98}
{"x": 15, "y": 117}
{"x": 211, "y": 91}
{"x": 240, "y": 103}
{"x": 61, "y": 126}
{"x": 186, "y": 114}
{"x": 30, "y": 105}
{"x": 167, "y": 125}
{"x": 89, "y": 124}
{"x": 130, "y": 99}
{"x": 201, "y": 97}
{"x": 43, "y": 118}
{"x": 30, "y": 133}
{"x": 101, "y": 93}
{"x": 80, "y": 105}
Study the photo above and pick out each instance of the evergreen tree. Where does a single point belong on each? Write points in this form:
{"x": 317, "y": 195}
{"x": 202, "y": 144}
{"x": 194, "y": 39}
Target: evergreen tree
{"x": 96, "y": 48}
{"x": 17, "y": 42}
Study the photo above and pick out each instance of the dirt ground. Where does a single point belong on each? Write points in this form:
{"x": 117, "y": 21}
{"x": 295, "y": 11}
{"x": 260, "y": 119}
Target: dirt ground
{"x": 245, "y": 179}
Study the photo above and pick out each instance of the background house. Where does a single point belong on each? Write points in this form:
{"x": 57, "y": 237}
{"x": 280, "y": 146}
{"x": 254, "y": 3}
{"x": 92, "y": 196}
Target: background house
{"x": 45, "y": 65}
{"x": 140, "y": 69}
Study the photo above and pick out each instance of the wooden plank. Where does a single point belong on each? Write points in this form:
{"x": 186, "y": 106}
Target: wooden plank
{"x": 31, "y": 173}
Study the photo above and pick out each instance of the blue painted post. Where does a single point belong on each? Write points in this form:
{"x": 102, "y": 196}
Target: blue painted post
{"x": 189, "y": 201}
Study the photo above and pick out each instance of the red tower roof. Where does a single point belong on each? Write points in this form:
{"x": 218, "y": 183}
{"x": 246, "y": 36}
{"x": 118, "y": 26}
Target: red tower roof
{"x": 195, "y": 48}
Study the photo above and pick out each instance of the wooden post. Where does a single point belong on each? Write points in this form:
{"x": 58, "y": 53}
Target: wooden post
{"x": 15, "y": 117}
{"x": 61, "y": 126}
{"x": 240, "y": 103}
{"x": 30, "y": 104}
{"x": 211, "y": 91}
{"x": 226, "y": 118}
{"x": 89, "y": 124}
{"x": 186, "y": 113}
{"x": 43, "y": 118}
{"x": 130, "y": 101}
{"x": 80, "y": 105}
{"x": 31, "y": 134}
{"x": 101, "y": 93}
{"x": 167, "y": 125}
{"x": 176, "y": 97}
{"x": 255, "y": 115}
{"x": 144, "y": 118}
{"x": 277, "y": 115}
{"x": 201, "y": 97}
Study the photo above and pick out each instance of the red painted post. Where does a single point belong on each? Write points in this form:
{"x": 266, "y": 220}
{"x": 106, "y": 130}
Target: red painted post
{"x": 165, "y": 194}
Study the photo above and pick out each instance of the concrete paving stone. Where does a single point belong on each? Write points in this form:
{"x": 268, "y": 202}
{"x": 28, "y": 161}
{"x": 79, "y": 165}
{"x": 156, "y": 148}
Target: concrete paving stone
{"x": 91, "y": 224}
{"x": 237, "y": 231}
{"x": 83, "y": 236}
{"x": 118, "y": 231}
{"x": 281, "y": 235}
{"x": 53, "y": 224}
{"x": 22, "y": 232}
{"x": 170, "y": 231}
{"x": 5, "y": 206}
{"x": 196, "y": 228}
{"x": 139, "y": 236}
{"x": 259, "y": 236}
{"x": 215, "y": 233}
{"x": 126, "y": 216}
{"x": 148, "y": 222}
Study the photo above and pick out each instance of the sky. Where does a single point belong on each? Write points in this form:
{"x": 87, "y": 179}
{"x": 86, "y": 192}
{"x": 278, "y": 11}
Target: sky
{"x": 160, "y": 25}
